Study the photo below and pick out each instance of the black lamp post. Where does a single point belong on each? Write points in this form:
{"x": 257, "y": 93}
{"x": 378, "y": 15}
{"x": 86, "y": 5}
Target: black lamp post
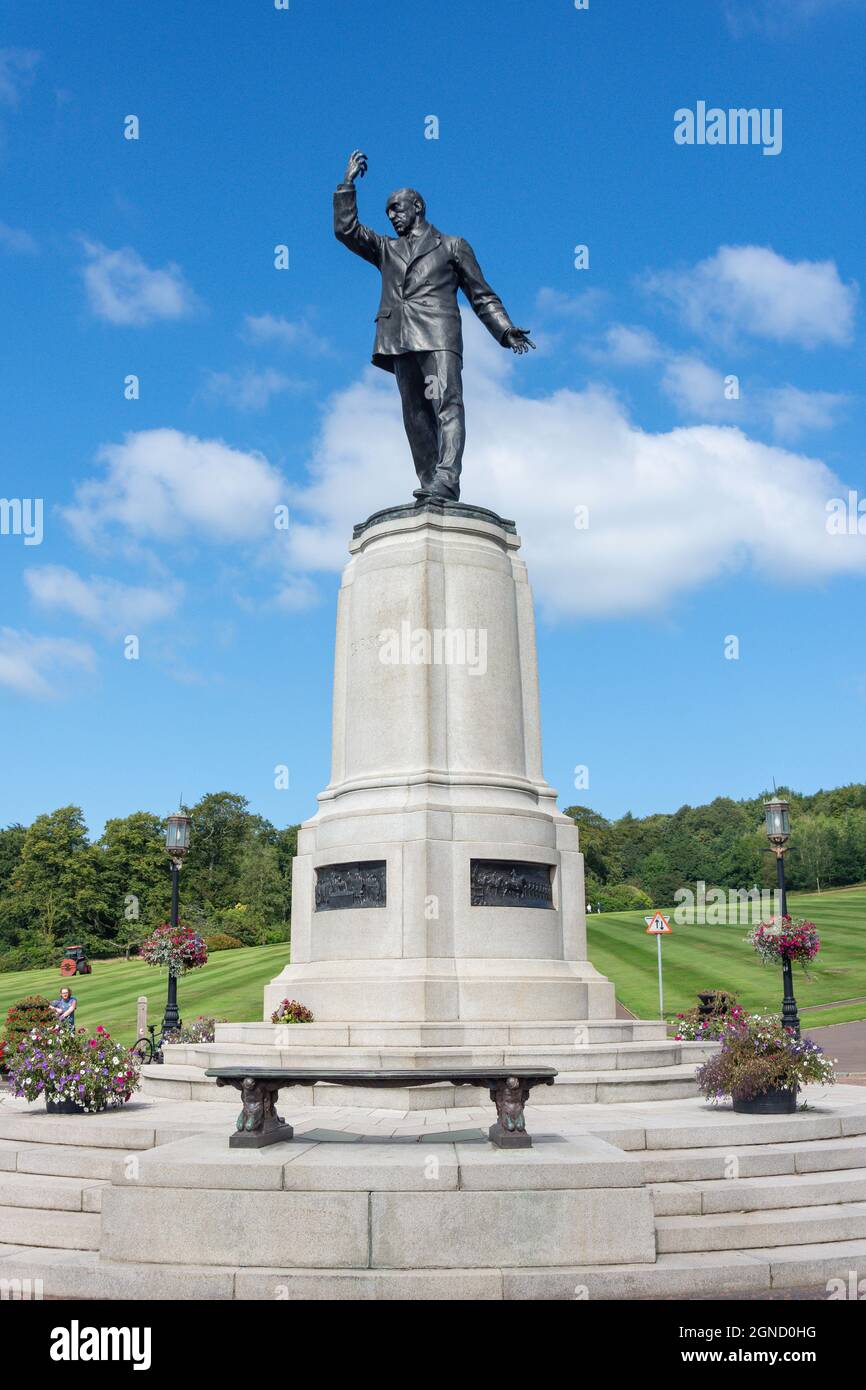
{"x": 778, "y": 823}
{"x": 177, "y": 845}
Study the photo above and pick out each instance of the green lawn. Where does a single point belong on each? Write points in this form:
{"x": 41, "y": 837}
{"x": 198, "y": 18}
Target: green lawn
{"x": 717, "y": 957}
{"x": 228, "y": 987}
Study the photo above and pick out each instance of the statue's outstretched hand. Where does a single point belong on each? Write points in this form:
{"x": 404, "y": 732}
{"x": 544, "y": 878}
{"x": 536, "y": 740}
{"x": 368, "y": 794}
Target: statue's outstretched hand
{"x": 357, "y": 165}
{"x": 518, "y": 340}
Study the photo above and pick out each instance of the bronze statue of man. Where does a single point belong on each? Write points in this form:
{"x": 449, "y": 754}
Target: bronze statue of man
{"x": 418, "y": 333}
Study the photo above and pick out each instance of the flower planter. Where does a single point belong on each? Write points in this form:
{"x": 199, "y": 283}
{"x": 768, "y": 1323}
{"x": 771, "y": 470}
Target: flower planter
{"x": 778, "y": 1101}
{"x": 64, "y": 1107}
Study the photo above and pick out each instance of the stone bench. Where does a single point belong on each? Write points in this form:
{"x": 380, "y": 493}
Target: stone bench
{"x": 259, "y": 1124}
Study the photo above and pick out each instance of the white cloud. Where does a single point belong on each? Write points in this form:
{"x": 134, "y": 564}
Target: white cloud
{"x": 298, "y": 593}
{"x": 669, "y": 512}
{"x": 40, "y": 666}
{"x": 17, "y": 69}
{"x": 104, "y": 603}
{"x": 16, "y": 240}
{"x": 268, "y": 328}
{"x": 794, "y": 413}
{"x": 752, "y": 290}
{"x": 698, "y": 391}
{"x": 164, "y": 484}
{"x": 123, "y": 289}
{"x": 555, "y": 304}
{"x": 248, "y": 389}
{"x": 774, "y": 18}
{"x": 628, "y": 345}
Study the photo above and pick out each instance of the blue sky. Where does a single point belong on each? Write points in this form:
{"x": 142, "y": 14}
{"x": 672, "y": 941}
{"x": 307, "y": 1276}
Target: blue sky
{"x": 707, "y": 515}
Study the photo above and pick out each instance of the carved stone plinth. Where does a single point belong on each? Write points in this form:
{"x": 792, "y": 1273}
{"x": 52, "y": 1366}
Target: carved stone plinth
{"x": 438, "y": 882}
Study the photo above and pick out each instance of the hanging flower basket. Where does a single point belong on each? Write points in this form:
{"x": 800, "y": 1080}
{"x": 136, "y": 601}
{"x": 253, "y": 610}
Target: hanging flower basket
{"x": 180, "y": 948}
{"x": 785, "y": 938}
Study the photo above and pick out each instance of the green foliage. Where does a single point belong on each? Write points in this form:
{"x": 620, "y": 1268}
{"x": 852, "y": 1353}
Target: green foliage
{"x": 55, "y": 886}
{"x": 724, "y": 844}
{"x": 621, "y": 897}
{"x": 757, "y": 1055}
{"x": 219, "y": 941}
{"x": 31, "y": 1012}
{"x": 219, "y": 832}
{"x": 135, "y": 873}
{"x": 11, "y": 845}
{"x": 63, "y": 1064}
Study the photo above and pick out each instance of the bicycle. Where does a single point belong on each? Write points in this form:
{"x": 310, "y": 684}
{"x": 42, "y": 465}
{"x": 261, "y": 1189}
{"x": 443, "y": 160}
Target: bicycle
{"x": 148, "y": 1049}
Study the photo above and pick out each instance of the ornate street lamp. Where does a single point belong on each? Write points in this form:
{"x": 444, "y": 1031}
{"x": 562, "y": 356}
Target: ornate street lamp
{"x": 177, "y": 846}
{"x": 778, "y": 823}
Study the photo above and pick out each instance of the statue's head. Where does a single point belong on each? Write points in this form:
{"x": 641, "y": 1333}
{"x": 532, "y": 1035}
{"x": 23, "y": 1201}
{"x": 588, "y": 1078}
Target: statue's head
{"x": 405, "y": 209}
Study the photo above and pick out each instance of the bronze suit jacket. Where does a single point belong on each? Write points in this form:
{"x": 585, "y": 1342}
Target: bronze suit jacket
{"x": 418, "y": 311}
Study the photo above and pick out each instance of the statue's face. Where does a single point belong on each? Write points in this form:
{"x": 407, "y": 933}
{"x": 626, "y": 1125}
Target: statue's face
{"x": 403, "y": 212}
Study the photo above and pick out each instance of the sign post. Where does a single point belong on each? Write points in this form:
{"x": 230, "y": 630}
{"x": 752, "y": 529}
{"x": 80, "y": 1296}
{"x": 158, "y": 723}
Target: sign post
{"x": 658, "y": 926}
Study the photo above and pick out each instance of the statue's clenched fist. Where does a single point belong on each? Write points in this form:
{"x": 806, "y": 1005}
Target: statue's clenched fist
{"x": 357, "y": 165}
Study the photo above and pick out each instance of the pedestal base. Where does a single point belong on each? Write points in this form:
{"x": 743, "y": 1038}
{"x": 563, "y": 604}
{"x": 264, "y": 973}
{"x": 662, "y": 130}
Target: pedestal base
{"x": 508, "y": 1139}
{"x": 280, "y": 1134}
{"x": 442, "y": 990}
{"x": 437, "y": 881}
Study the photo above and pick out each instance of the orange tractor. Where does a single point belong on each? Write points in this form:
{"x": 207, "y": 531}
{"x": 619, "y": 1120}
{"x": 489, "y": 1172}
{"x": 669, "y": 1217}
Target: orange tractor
{"x": 75, "y": 962}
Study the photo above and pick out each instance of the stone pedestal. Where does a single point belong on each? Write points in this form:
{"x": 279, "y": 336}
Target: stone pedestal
{"x": 437, "y": 881}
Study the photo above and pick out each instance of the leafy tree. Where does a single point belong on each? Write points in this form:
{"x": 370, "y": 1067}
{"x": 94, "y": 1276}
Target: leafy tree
{"x": 261, "y": 883}
{"x": 217, "y": 837}
{"x": 598, "y": 844}
{"x": 813, "y": 842}
{"x": 11, "y": 845}
{"x": 136, "y": 873}
{"x": 56, "y": 882}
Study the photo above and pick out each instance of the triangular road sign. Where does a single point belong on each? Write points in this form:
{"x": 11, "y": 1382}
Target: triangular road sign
{"x": 658, "y": 924}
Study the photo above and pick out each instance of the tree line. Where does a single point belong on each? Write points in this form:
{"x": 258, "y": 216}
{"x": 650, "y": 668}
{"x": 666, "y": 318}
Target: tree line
{"x": 640, "y": 861}
{"x": 58, "y": 888}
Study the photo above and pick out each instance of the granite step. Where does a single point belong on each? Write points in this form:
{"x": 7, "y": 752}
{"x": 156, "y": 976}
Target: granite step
{"x": 762, "y": 1229}
{"x": 69, "y": 1230}
{"x": 565, "y": 1057}
{"x": 183, "y": 1082}
{"x": 785, "y": 1190}
{"x": 556, "y": 1032}
{"x": 72, "y": 1274}
{"x": 754, "y": 1160}
{"x": 715, "y": 1126}
{"x": 64, "y": 1160}
{"x": 51, "y": 1192}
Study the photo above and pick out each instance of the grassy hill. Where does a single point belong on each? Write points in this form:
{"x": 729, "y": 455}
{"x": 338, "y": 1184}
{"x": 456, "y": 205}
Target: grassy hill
{"x": 695, "y": 957}
{"x": 228, "y": 987}
{"x": 717, "y": 957}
